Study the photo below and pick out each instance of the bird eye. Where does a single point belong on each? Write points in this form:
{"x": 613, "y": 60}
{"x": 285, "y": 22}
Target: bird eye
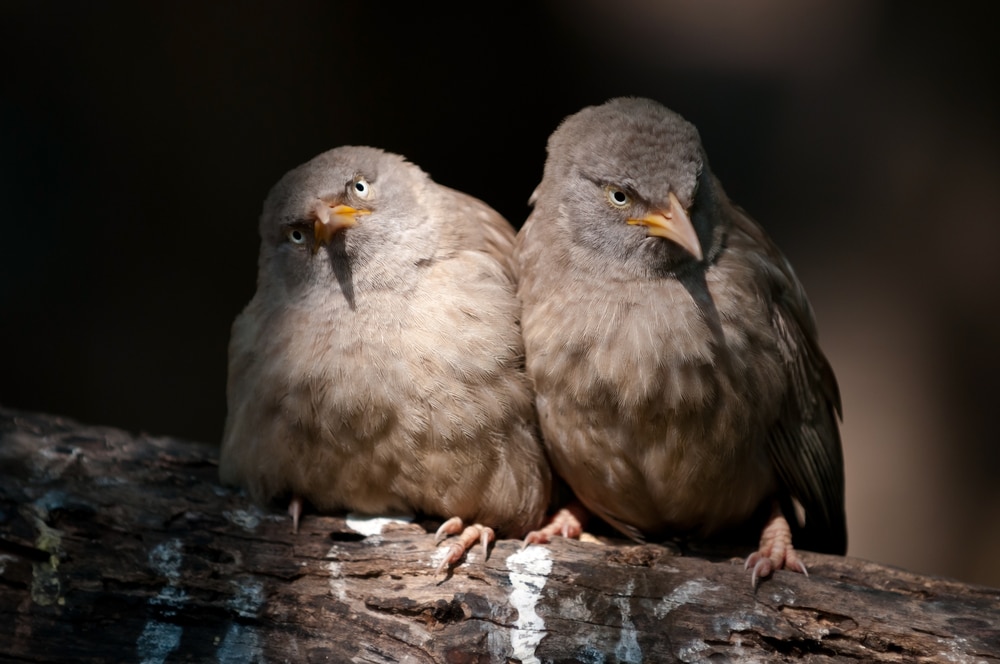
{"x": 618, "y": 198}
{"x": 362, "y": 188}
{"x": 296, "y": 236}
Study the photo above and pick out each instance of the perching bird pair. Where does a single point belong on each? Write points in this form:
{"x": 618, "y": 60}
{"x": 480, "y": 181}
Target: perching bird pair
{"x": 668, "y": 350}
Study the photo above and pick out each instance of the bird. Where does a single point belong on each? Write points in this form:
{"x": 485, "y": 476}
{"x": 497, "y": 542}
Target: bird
{"x": 679, "y": 382}
{"x": 379, "y": 366}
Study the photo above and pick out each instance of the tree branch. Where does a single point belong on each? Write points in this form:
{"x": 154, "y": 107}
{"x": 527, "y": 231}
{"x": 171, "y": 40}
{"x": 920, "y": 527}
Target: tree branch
{"x": 116, "y": 547}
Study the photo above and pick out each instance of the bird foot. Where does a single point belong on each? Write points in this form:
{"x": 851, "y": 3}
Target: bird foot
{"x": 295, "y": 511}
{"x": 775, "y": 552}
{"x": 567, "y": 522}
{"x": 467, "y": 538}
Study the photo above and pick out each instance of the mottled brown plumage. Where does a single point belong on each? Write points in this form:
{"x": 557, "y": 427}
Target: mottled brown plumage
{"x": 379, "y": 366}
{"x": 680, "y": 387}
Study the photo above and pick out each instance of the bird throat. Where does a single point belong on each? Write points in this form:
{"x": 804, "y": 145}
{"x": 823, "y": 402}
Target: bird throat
{"x": 340, "y": 265}
{"x": 696, "y": 286}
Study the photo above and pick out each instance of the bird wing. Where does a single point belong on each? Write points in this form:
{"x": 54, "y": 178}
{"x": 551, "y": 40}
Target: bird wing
{"x": 804, "y": 445}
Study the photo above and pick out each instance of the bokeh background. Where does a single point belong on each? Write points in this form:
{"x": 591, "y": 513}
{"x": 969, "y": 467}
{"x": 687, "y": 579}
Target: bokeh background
{"x": 138, "y": 140}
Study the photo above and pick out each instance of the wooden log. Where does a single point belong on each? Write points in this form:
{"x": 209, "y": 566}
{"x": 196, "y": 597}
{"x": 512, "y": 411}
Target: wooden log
{"x": 116, "y": 547}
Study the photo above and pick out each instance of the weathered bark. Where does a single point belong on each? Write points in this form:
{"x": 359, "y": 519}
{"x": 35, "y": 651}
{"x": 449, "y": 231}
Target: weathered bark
{"x": 116, "y": 547}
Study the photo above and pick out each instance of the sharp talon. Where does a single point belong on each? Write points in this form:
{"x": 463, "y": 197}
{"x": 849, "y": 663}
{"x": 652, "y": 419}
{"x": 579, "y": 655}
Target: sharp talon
{"x": 566, "y": 523}
{"x": 450, "y": 527}
{"x": 295, "y": 511}
{"x": 455, "y": 552}
{"x": 464, "y": 542}
{"x": 486, "y": 537}
{"x": 776, "y": 550}
{"x": 534, "y": 537}
{"x": 761, "y": 570}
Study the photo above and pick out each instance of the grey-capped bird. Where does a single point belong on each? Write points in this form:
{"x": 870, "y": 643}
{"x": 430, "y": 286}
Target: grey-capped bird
{"x": 379, "y": 366}
{"x": 680, "y": 386}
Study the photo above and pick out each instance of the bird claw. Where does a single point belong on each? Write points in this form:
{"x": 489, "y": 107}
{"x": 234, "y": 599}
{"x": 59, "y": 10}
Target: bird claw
{"x": 455, "y": 552}
{"x": 295, "y": 511}
{"x": 775, "y": 552}
{"x": 487, "y": 535}
{"x": 535, "y": 537}
{"x": 567, "y": 523}
{"x": 452, "y": 526}
{"x": 762, "y": 567}
{"x": 468, "y": 537}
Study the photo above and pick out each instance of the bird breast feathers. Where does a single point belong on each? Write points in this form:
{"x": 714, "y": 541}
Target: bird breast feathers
{"x": 435, "y": 343}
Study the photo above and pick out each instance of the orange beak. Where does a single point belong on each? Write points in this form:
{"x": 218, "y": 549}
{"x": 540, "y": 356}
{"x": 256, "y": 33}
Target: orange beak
{"x": 674, "y": 225}
{"x": 332, "y": 219}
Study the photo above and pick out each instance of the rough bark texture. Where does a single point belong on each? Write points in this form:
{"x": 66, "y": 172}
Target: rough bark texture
{"x": 116, "y": 547}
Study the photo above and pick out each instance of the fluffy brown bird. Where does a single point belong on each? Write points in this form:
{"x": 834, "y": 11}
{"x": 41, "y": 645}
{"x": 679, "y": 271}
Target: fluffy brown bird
{"x": 680, "y": 387}
{"x": 379, "y": 366}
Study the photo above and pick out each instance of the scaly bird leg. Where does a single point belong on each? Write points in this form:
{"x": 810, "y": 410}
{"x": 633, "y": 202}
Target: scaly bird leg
{"x": 465, "y": 541}
{"x": 567, "y": 522}
{"x": 775, "y": 550}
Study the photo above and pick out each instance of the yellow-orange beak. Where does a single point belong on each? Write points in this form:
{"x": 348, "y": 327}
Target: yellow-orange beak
{"x": 331, "y": 219}
{"x": 673, "y": 225}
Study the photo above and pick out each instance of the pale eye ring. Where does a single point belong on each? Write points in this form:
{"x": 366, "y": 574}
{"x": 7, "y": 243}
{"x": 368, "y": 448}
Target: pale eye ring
{"x": 296, "y": 236}
{"x": 618, "y": 197}
{"x": 361, "y": 188}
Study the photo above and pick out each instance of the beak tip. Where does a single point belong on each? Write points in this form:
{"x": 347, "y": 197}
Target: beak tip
{"x": 674, "y": 226}
{"x": 322, "y": 232}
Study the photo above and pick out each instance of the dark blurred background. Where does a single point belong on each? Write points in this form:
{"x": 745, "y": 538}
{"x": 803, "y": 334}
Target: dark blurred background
{"x": 139, "y": 140}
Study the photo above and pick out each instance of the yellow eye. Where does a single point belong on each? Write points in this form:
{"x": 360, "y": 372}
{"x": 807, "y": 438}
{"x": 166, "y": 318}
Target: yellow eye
{"x": 296, "y": 236}
{"x": 361, "y": 188}
{"x": 618, "y": 197}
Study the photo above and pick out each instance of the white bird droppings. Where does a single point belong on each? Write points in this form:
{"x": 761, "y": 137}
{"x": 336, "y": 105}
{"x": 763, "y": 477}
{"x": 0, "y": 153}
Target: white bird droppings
{"x": 683, "y": 594}
{"x": 248, "y": 598}
{"x": 338, "y": 587}
{"x": 159, "y": 639}
{"x": 529, "y": 570}
{"x": 958, "y": 650}
{"x": 693, "y": 651}
{"x": 628, "y": 649}
{"x": 248, "y": 520}
{"x": 241, "y": 645}
{"x": 373, "y": 525}
{"x": 166, "y": 559}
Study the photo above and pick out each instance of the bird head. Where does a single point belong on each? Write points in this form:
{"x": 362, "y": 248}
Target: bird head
{"x": 350, "y": 207}
{"x": 629, "y": 179}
